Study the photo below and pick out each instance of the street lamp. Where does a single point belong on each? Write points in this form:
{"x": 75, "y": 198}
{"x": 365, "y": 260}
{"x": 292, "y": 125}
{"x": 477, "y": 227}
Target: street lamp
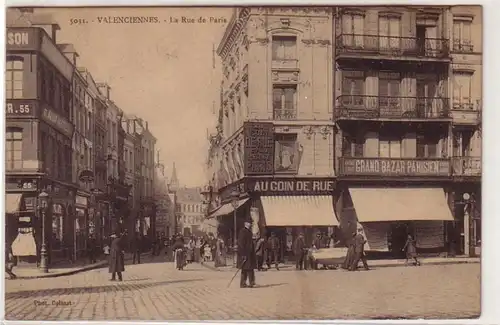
{"x": 469, "y": 202}
{"x": 44, "y": 263}
{"x": 235, "y": 195}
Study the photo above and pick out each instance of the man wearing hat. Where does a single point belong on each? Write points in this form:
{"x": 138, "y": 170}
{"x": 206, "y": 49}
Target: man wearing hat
{"x": 274, "y": 251}
{"x": 247, "y": 260}
{"x": 116, "y": 260}
{"x": 359, "y": 251}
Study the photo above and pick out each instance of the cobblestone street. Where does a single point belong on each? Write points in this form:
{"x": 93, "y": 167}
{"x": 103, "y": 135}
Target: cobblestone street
{"x": 156, "y": 291}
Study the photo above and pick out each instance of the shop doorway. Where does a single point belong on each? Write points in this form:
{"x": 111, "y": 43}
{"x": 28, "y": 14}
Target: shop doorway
{"x": 397, "y": 238}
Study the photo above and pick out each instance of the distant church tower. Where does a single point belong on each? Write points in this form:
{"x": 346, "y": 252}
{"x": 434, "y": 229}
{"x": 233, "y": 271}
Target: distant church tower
{"x": 174, "y": 182}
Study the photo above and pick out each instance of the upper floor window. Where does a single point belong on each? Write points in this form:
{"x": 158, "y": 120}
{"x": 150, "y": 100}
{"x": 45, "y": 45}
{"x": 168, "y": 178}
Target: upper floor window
{"x": 389, "y": 89}
{"x": 462, "y": 82}
{"x": 390, "y": 145}
{"x": 14, "y": 78}
{"x": 353, "y": 146}
{"x": 13, "y": 148}
{"x": 389, "y": 30}
{"x": 284, "y": 47}
{"x": 462, "y": 39}
{"x": 427, "y": 146}
{"x": 286, "y": 157}
{"x": 285, "y": 102}
{"x": 353, "y": 26}
{"x": 353, "y": 87}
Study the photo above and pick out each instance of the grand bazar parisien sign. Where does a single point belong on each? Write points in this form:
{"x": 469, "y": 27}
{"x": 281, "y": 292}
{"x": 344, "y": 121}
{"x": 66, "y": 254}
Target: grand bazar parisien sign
{"x": 293, "y": 185}
{"x": 395, "y": 167}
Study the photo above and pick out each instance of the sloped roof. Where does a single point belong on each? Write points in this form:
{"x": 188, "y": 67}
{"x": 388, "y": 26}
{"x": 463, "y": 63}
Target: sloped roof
{"x": 189, "y": 194}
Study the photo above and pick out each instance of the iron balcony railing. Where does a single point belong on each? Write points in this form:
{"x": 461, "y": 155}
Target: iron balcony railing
{"x": 362, "y": 106}
{"x": 285, "y": 114}
{"x": 466, "y": 166}
{"x": 392, "y": 45}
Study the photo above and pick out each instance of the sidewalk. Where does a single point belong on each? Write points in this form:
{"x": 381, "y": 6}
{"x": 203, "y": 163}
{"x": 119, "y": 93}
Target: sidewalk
{"x": 371, "y": 263}
{"x": 62, "y": 269}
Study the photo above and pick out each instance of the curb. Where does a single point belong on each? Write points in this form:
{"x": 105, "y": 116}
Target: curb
{"x": 66, "y": 273}
{"x": 213, "y": 268}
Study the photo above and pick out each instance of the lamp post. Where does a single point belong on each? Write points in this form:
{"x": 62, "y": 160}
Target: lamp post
{"x": 235, "y": 195}
{"x": 44, "y": 263}
{"x": 469, "y": 202}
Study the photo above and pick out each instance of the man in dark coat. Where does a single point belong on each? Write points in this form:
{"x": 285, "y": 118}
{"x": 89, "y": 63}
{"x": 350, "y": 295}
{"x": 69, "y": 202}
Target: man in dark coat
{"x": 349, "y": 258}
{"x": 247, "y": 260}
{"x": 274, "y": 251}
{"x": 359, "y": 252}
{"x": 135, "y": 246}
{"x": 299, "y": 251}
{"x": 116, "y": 258}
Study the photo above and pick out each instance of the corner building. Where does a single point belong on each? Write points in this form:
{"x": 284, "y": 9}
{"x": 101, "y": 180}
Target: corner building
{"x": 275, "y": 128}
{"x": 402, "y": 107}
{"x": 38, "y": 142}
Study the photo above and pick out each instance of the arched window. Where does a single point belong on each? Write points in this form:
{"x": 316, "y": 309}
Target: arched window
{"x": 13, "y": 148}
{"x": 14, "y": 78}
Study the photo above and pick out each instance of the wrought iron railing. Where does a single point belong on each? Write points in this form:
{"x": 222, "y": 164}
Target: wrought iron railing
{"x": 285, "y": 114}
{"x": 466, "y": 166}
{"x": 391, "y": 107}
{"x": 392, "y": 45}
{"x": 462, "y": 46}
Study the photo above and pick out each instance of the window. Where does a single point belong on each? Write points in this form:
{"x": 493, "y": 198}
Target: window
{"x": 389, "y": 89}
{"x": 353, "y": 29}
{"x": 353, "y": 146}
{"x": 389, "y": 145}
{"x": 14, "y": 78}
{"x": 427, "y": 146}
{"x": 462, "y": 90}
{"x": 286, "y": 157}
{"x": 13, "y": 148}
{"x": 284, "y": 102}
{"x": 389, "y": 30}
{"x": 284, "y": 47}
{"x": 462, "y": 40}
{"x": 353, "y": 88}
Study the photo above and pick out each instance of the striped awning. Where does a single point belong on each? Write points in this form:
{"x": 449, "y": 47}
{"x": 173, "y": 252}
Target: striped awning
{"x": 312, "y": 210}
{"x": 400, "y": 204}
{"x": 227, "y": 209}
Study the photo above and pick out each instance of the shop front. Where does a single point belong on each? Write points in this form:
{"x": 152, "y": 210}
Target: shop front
{"x": 81, "y": 225}
{"x": 390, "y": 199}
{"x": 285, "y": 206}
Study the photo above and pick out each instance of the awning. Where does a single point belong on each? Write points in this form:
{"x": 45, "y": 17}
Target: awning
{"x": 400, "y": 204}
{"x": 292, "y": 211}
{"x": 227, "y": 209}
{"x": 13, "y": 202}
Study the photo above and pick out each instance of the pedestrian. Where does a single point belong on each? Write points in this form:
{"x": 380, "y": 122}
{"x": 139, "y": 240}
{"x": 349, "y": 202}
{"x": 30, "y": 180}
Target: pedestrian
{"x": 298, "y": 250}
{"x": 190, "y": 250}
{"x": 359, "y": 251}
{"x": 247, "y": 260}
{"x": 91, "y": 249}
{"x": 317, "y": 244}
{"x": 116, "y": 260}
{"x": 349, "y": 258}
{"x": 9, "y": 261}
{"x": 178, "y": 248}
{"x": 220, "y": 258}
{"x": 259, "y": 252}
{"x": 274, "y": 250}
{"x": 411, "y": 251}
{"x": 135, "y": 246}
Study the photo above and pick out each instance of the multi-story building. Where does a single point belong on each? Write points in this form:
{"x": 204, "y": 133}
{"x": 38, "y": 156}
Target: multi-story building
{"x": 165, "y": 220}
{"x": 276, "y": 125}
{"x": 38, "y": 152}
{"x": 129, "y": 168}
{"x": 147, "y": 201}
{"x": 351, "y": 107}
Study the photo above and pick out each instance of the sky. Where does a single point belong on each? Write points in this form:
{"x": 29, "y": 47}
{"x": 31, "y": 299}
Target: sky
{"x": 162, "y": 72}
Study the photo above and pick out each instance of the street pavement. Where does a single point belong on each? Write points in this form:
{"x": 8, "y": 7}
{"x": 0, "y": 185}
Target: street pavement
{"x": 156, "y": 291}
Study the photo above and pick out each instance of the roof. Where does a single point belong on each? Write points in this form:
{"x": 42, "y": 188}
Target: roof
{"x": 189, "y": 194}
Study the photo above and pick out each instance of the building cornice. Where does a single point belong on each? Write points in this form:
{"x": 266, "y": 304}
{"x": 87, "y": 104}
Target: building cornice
{"x": 233, "y": 29}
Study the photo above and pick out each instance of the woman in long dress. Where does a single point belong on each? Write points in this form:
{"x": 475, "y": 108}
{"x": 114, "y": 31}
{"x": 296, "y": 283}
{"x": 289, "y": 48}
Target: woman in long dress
{"x": 190, "y": 250}
{"x": 178, "y": 248}
{"x": 411, "y": 250}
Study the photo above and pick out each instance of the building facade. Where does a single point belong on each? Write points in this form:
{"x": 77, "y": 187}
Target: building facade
{"x": 348, "y": 112}
{"x": 39, "y": 136}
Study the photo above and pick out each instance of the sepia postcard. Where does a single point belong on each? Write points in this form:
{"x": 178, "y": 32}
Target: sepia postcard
{"x": 243, "y": 163}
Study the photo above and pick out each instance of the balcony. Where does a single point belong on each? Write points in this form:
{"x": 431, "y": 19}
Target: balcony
{"x": 393, "y": 46}
{"x": 394, "y": 167}
{"x": 464, "y": 113}
{"x": 285, "y": 64}
{"x": 388, "y": 107}
{"x": 467, "y": 166}
{"x": 285, "y": 114}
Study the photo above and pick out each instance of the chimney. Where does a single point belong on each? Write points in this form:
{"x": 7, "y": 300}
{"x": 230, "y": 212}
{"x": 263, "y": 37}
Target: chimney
{"x": 70, "y": 52}
{"x": 46, "y": 22}
{"x": 105, "y": 89}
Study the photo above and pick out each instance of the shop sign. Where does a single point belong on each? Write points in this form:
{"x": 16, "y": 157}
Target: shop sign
{"x": 22, "y": 38}
{"x": 20, "y": 108}
{"x": 395, "y": 167}
{"x": 58, "y": 122}
{"x": 259, "y": 148}
{"x": 292, "y": 185}
{"x": 81, "y": 200}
